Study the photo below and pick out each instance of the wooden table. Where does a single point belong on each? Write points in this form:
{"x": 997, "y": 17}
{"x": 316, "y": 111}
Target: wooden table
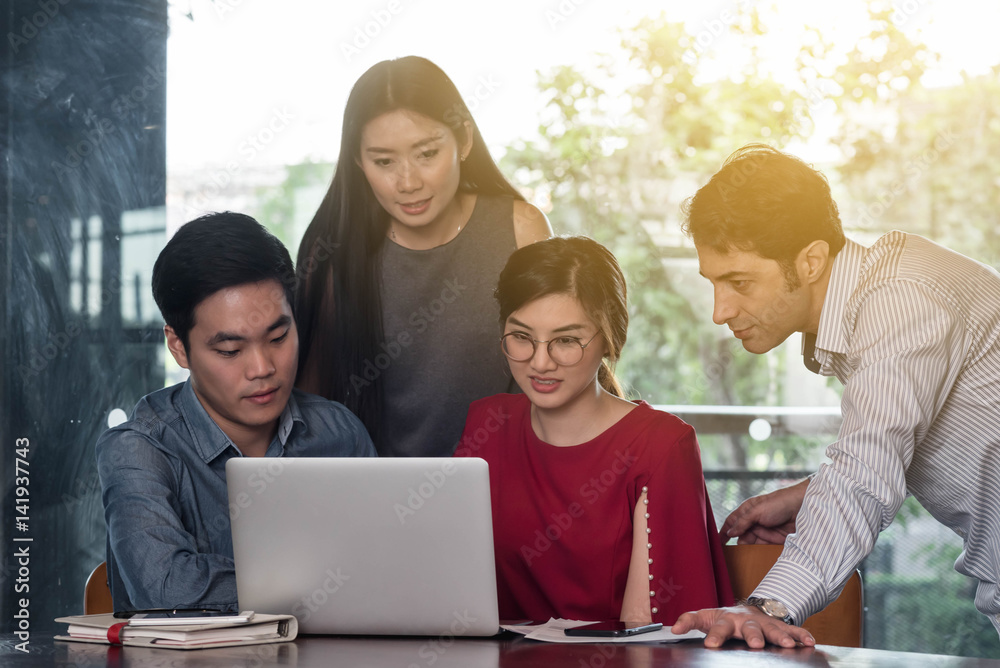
{"x": 508, "y": 651}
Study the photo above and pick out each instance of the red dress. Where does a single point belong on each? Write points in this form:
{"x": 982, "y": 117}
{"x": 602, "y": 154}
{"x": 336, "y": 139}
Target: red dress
{"x": 562, "y": 516}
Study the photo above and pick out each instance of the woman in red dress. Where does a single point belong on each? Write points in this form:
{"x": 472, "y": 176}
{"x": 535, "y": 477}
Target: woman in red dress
{"x": 599, "y": 504}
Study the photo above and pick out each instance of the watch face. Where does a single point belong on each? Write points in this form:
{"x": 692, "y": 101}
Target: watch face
{"x": 774, "y": 608}
{"x": 771, "y": 608}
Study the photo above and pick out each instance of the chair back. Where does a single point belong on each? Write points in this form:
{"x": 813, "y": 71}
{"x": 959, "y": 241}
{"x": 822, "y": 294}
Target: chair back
{"x": 839, "y": 623}
{"x": 97, "y": 593}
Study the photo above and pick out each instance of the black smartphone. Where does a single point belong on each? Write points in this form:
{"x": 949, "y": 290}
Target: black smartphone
{"x": 612, "y": 629}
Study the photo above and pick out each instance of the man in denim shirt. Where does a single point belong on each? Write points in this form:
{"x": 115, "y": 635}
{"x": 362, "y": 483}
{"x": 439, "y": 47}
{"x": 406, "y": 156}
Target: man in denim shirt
{"x": 224, "y": 287}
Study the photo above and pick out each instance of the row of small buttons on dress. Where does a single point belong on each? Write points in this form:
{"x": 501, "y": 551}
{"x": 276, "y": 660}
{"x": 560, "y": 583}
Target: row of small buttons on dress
{"x": 649, "y": 546}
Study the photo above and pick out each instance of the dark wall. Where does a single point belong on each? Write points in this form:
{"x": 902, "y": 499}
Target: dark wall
{"x": 83, "y": 175}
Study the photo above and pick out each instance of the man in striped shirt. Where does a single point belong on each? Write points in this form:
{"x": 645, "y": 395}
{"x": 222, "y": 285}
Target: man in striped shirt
{"x": 911, "y": 329}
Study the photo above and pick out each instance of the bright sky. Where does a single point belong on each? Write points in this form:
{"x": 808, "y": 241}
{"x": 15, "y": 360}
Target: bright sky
{"x": 278, "y": 73}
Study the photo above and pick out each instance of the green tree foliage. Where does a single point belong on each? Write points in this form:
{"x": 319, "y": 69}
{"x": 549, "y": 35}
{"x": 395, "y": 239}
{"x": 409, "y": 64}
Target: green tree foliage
{"x": 918, "y": 159}
{"x": 926, "y": 592}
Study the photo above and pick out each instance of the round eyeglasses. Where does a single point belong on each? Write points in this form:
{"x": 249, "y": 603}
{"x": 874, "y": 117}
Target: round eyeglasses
{"x": 564, "y": 350}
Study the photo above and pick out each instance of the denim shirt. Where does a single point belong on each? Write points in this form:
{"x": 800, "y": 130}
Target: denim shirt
{"x": 163, "y": 481}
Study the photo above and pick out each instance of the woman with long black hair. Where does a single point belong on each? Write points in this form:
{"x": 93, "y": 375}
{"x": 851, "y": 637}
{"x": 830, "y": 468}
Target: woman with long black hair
{"x": 397, "y": 269}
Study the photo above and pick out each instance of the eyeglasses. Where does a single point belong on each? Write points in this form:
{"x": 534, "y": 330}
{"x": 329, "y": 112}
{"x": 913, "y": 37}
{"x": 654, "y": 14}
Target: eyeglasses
{"x": 564, "y": 350}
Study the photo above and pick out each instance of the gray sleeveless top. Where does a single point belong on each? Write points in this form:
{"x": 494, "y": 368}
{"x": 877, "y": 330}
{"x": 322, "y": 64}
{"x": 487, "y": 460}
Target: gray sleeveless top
{"x": 441, "y": 349}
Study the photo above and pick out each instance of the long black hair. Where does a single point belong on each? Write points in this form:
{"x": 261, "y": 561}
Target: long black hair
{"x": 338, "y": 303}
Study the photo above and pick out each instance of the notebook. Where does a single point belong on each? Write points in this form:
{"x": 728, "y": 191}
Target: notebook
{"x": 395, "y": 546}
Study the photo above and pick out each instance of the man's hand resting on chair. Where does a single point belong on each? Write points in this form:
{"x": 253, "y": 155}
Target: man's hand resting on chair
{"x": 767, "y": 518}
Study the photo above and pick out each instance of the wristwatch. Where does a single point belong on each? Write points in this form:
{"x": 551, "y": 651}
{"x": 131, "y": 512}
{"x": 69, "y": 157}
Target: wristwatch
{"x": 771, "y": 608}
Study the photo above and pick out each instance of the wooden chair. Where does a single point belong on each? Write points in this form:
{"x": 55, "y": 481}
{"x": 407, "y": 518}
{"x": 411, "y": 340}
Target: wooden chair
{"x": 839, "y": 623}
{"x": 97, "y": 593}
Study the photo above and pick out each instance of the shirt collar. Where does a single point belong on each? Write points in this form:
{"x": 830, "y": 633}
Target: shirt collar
{"x": 209, "y": 441}
{"x": 831, "y": 337}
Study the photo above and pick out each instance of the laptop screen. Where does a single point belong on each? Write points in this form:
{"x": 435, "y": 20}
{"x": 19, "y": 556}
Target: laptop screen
{"x": 397, "y": 546}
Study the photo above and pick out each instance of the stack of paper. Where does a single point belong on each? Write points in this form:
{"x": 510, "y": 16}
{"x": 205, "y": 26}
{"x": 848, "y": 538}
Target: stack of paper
{"x": 261, "y": 629}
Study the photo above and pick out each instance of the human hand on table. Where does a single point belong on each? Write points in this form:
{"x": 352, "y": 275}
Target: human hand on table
{"x": 744, "y": 623}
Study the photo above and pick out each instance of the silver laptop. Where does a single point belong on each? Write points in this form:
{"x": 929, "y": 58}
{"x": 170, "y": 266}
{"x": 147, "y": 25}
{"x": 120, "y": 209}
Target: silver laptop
{"x": 396, "y": 546}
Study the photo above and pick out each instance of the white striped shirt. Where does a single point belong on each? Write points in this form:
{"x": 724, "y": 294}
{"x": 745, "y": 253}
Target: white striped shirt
{"x": 913, "y": 331}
